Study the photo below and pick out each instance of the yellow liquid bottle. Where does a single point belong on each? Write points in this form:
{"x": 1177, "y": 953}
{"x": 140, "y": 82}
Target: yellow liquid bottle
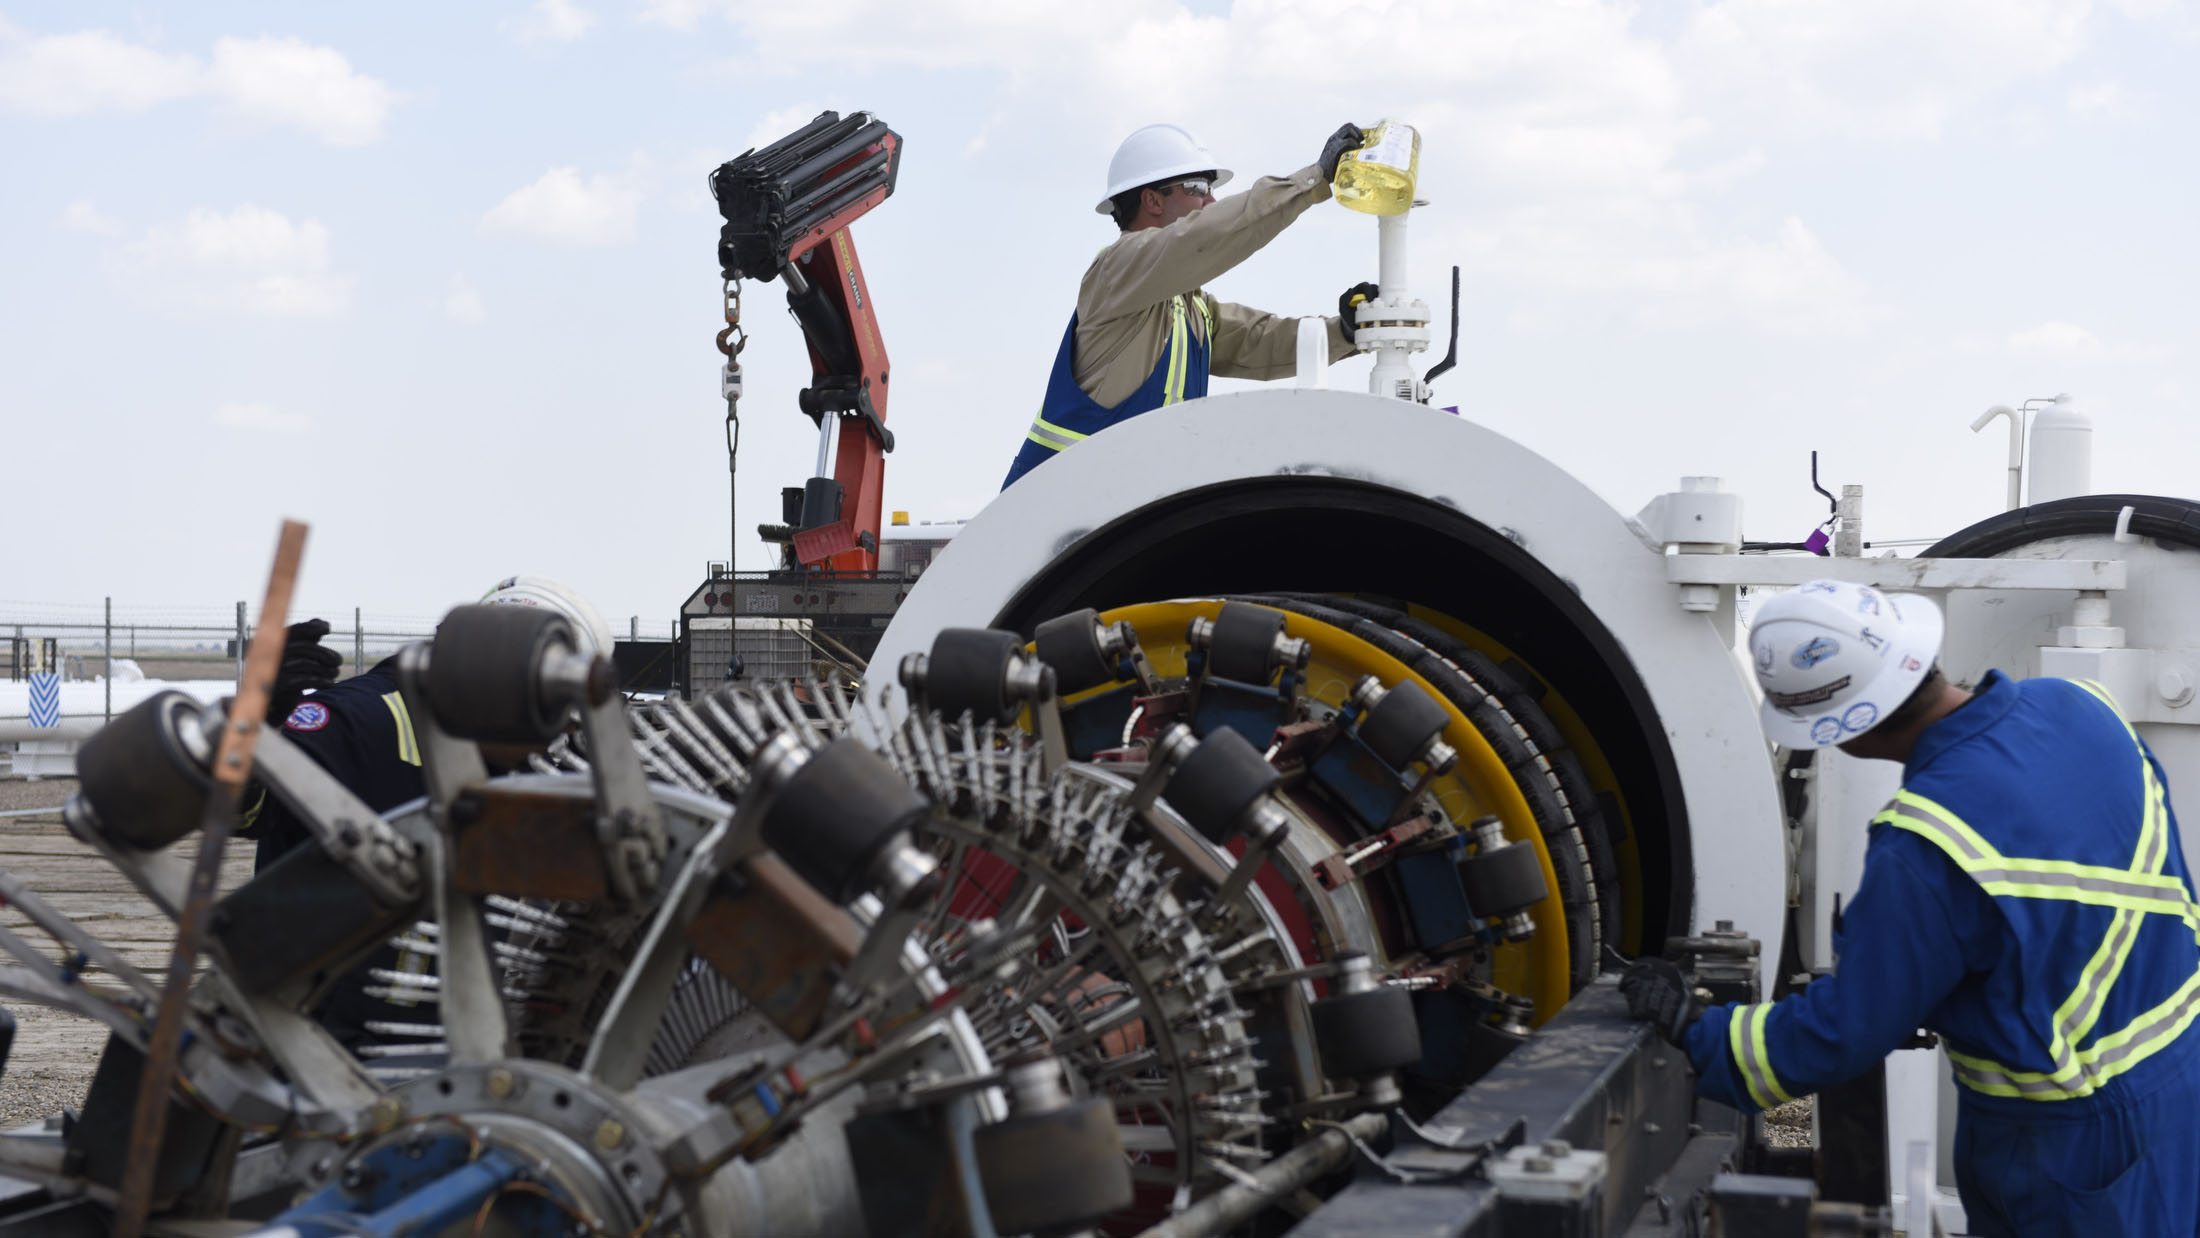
{"x": 1378, "y": 178}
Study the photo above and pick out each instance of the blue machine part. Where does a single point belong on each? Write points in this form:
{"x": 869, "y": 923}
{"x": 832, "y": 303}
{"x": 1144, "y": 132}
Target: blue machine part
{"x": 1250, "y": 710}
{"x": 1436, "y": 901}
{"x": 1095, "y": 724}
{"x": 421, "y": 1186}
{"x": 1360, "y": 781}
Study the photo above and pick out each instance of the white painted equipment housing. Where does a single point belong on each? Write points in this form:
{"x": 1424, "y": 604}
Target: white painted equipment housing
{"x": 1327, "y": 491}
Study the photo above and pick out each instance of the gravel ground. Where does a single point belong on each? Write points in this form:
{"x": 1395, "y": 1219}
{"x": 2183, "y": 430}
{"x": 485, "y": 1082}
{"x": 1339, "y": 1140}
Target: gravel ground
{"x": 52, "y": 1076}
{"x": 1789, "y": 1125}
{"x": 54, "y": 1053}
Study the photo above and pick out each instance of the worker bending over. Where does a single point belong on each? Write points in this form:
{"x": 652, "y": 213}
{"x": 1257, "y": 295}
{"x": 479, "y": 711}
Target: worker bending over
{"x": 2024, "y": 895}
{"x": 1146, "y": 334}
{"x": 360, "y": 731}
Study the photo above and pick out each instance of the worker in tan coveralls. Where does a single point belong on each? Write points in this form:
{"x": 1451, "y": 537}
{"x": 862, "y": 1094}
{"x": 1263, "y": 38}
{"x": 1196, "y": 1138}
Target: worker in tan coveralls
{"x": 1146, "y": 334}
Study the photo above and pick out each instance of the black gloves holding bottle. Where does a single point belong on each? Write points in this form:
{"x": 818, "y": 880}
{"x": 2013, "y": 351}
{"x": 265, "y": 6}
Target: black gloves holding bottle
{"x": 1660, "y": 994}
{"x": 1347, "y": 137}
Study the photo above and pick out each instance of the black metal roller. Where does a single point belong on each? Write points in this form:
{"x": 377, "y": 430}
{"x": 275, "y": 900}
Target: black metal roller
{"x": 145, "y": 789}
{"x": 1504, "y": 880}
{"x": 1361, "y": 1034}
{"x": 1219, "y": 780}
{"x": 836, "y": 813}
{"x": 1244, "y": 641}
{"x": 1402, "y": 723}
{"x": 968, "y": 672}
{"x": 1058, "y": 1170}
{"x": 1071, "y": 645}
{"x": 482, "y": 680}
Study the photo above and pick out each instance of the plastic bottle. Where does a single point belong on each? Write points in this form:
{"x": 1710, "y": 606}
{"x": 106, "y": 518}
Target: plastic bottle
{"x": 1378, "y": 178}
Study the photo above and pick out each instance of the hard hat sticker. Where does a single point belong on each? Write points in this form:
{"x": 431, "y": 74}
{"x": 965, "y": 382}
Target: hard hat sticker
{"x": 1813, "y": 651}
{"x": 309, "y": 716}
{"x": 1910, "y": 663}
{"x": 1826, "y": 730}
{"x": 1860, "y": 715}
{"x": 1764, "y": 658}
{"x": 1874, "y": 639}
{"x": 1867, "y": 602}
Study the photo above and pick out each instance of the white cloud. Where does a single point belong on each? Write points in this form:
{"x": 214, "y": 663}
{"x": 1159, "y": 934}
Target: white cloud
{"x": 558, "y": 21}
{"x": 560, "y": 208}
{"x": 265, "y": 81}
{"x": 461, "y": 304}
{"x": 84, "y": 217}
{"x": 2109, "y": 99}
{"x": 250, "y": 258}
{"x": 92, "y": 71}
{"x": 265, "y": 418}
{"x": 288, "y": 82}
{"x": 2056, "y": 340}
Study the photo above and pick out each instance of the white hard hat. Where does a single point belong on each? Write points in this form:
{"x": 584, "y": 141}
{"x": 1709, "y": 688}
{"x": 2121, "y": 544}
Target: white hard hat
{"x": 541, "y": 591}
{"x": 1835, "y": 659}
{"x": 1157, "y": 153}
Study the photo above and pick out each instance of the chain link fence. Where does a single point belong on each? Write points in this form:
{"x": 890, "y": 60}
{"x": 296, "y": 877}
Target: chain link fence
{"x": 111, "y": 642}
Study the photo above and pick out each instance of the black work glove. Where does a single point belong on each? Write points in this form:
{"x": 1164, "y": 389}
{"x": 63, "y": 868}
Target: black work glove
{"x": 1346, "y": 138}
{"x": 306, "y": 664}
{"x": 1658, "y": 993}
{"x": 1347, "y": 321}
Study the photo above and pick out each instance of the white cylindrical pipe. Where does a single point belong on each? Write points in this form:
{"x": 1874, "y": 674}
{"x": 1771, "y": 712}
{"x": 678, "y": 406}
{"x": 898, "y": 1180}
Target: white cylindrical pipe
{"x": 2062, "y": 452}
{"x": 1313, "y": 351}
{"x": 1390, "y": 254}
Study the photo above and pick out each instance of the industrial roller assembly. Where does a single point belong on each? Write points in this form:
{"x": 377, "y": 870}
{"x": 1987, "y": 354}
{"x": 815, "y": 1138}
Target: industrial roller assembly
{"x": 1229, "y": 841}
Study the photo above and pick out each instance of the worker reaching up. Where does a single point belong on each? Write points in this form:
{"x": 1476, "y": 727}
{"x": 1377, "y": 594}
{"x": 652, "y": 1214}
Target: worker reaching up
{"x": 1146, "y": 333}
{"x": 2024, "y": 895}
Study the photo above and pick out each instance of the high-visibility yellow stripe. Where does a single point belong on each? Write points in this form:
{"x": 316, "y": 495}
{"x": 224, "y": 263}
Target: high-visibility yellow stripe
{"x": 408, "y": 747}
{"x": 1172, "y": 387}
{"x": 1745, "y": 1032}
{"x": 1051, "y": 436}
{"x": 2134, "y": 893}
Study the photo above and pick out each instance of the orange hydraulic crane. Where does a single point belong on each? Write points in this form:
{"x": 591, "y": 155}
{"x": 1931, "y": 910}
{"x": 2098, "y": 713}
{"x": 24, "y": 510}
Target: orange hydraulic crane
{"x": 787, "y": 208}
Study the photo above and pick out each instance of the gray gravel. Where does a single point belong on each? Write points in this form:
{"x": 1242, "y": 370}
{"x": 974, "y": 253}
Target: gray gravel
{"x": 1789, "y": 1125}
{"x": 55, "y": 1075}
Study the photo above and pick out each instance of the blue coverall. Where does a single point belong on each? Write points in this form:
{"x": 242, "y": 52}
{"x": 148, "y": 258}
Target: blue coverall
{"x": 359, "y": 731}
{"x": 2026, "y": 897}
{"x": 1068, "y": 416}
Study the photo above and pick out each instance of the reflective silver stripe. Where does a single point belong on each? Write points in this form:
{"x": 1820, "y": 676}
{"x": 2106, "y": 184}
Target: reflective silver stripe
{"x": 1046, "y": 436}
{"x": 1746, "y": 1037}
{"x": 1940, "y": 822}
{"x": 2106, "y": 886}
{"x": 2093, "y": 991}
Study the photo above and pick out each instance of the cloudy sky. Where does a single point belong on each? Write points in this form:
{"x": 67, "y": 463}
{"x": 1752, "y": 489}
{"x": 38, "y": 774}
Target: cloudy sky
{"x": 441, "y": 279}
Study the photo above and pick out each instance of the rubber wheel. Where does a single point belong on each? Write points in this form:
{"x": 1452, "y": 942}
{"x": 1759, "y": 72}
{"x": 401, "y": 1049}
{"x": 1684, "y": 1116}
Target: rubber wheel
{"x": 1502, "y": 881}
{"x": 1574, "y": 835}
{"x": 1361, "y": 1034}
{"x": 968, "y": 673}
{"x": 1071, "y": 645}
{"x": 1244, "y": 642}
{"x": 1216, "y": 784}
{"x": 1402, "y": 723}
{"x": 145, "y": 789}
{"x": 836, "y": 813}
{"x": 482, "y": 680}
{"x": 1053, "y": 1171}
